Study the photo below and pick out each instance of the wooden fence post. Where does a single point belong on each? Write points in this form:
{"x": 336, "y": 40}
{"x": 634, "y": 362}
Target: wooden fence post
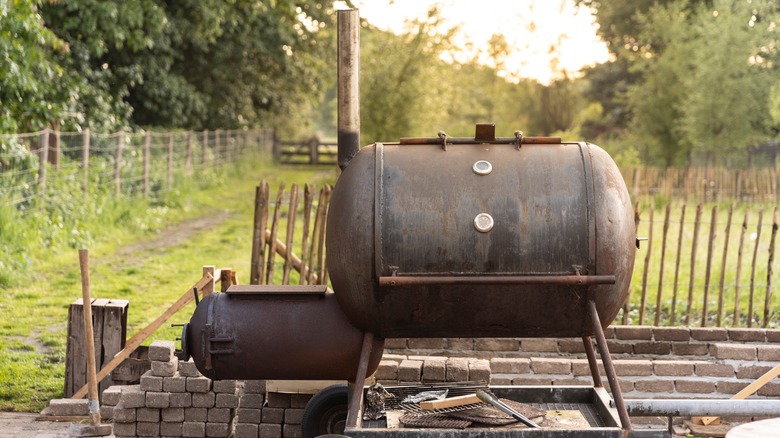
{"x": 170, "y": 161}
{"x": 209, "y": 286}
{"x": 648, "y": 252}
{"x": 120, "y": 140}
{"x": 708, "y": 271}
{"x": 753, "y": 268}
{"x": 54, "y": 147}
{"x": 658, "y": 301}
{"x": 721, "y": 292}
{"x": 738, "y": 277}
{"x": 692, "y": 276}
{"x": 85, "y": 158}
{"x": 217, "y": 145}
{"x": 147, "y": 141}
{"x": 258, "y": 236}
{"x": 188, "y": 160}
{"x": 43, "y": 157}
{"x": 204, "y": 146}
{"x": 291, "y": 216}
{"x": 769, "y": 270}
{"x": 314, "y": 152}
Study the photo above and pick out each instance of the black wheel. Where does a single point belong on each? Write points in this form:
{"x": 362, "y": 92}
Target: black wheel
{"x": 326, "y": 412}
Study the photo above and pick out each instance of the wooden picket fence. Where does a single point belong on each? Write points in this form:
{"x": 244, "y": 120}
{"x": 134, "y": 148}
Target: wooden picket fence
{"x": 306, "y": 267}
{"x": 723, "y": 277}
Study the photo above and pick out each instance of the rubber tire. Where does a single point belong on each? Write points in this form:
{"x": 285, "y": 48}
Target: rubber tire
{"x": 326, "y": 412}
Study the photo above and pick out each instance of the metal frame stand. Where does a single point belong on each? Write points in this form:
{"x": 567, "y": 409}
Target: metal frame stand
{"x": 609, "y": 369}
{"x": 356, "y": 387}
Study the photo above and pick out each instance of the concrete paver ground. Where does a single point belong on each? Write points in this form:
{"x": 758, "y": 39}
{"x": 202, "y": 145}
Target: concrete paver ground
{"x": 23, "y": 425}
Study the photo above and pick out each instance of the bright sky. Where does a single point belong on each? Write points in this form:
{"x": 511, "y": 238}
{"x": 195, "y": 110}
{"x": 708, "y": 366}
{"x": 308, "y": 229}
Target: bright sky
{"x": 540, "y": 33}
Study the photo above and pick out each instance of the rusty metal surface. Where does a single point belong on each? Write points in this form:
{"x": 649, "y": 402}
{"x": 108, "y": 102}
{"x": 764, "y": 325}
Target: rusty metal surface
{"x": 286, "y": 335}
{"x": 557, "y": 210}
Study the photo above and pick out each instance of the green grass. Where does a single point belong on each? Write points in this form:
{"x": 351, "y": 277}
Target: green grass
{"x": 44, "y": 278}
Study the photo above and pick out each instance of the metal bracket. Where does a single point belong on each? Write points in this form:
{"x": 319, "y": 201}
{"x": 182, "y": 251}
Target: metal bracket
{"x": 518, "y": 139}
{"x": 443, "y": 137}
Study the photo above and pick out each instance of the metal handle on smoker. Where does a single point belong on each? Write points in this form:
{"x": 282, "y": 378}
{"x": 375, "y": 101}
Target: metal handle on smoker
{"x": 554, "y": 280}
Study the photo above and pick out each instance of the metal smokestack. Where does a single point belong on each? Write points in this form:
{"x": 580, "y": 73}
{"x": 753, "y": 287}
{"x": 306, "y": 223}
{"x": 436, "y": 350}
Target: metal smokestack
{"x": 348, "y": 85}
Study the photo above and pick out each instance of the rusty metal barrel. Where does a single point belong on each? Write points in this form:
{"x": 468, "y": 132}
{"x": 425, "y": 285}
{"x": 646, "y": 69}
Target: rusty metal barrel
{"x": 275, "y": 332}
{"x": 480, "y": 237}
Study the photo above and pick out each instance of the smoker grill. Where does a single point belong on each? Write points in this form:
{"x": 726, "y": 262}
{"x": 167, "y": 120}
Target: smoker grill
{"x": 437, "y": 237}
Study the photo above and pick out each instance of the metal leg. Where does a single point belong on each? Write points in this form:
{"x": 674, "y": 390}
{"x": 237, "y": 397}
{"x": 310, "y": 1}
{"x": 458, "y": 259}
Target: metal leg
{"x": 601, "y": 343}
{"x": 594, "y": 366}
{"x": 356, "y": 387}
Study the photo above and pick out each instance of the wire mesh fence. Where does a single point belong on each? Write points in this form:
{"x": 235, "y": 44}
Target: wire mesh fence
{"x": 123, "y": 163}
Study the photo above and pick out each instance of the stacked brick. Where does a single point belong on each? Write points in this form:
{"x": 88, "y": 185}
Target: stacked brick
{"x": 172, "y": 400}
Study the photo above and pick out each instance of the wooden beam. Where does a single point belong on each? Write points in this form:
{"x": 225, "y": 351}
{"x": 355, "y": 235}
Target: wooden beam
{"x": 137, "y": 339}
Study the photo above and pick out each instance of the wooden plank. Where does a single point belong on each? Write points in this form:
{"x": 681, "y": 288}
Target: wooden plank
{"x": 318, "y": 219}
{"x": 738, "y": 276}
{"x": 75, "y": 374}
{"x": 769, "y": 271}
{"x": 672, "y": 319}
{"x": 753, "y": 268}
{"x": 292, "y": 211}
{"x": 451, "y": 402}
{"x": 322, "y": 267}
{"x": 721, "y": 291}
{"x": 209, "y": 272}
{"x": 708, "y": 269}
{"x": 269, "y": 274}
{"x": 658, "y": 300}
{"x": 258, "y": 233}
{"x": 308, "y": 200}
{"x": 648, "y": 252}
{"x": 137, "y": 339}
{"x": 692, "y": 276}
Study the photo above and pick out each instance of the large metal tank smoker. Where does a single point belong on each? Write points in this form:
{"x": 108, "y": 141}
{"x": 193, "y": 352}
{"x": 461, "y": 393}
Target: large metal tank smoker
{"x": 436, "y": 237}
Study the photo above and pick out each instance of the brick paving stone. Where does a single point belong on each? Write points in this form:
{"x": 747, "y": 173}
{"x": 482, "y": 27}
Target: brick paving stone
{"x": 177, "y": 383}
{"x": 574, "y": 346}
{"x": 770, "y": 390}
{"x": 631, "y": 367}
{"x": 203, "y": 399}
{"x": 162, "y": 350}
{"x": 673, "y": 368}
{"x": 278, "y": 400}
{"x": 122, "y": 414}
{"x": 410, "y": 370}
{"x": 273, "y": 415}
{"x": 550, "y": 365}
{"x": 654, "y": 348}
{"x": 151, "y": 382}
{"x": 245, "y": 430}
{"x": 634, "y": 332}
{"x": 292, "y": 431}
{"x": 396, "y": 344}
{"x": 158, "y": 399}
{"x": 730, "y": 387}
{"x": 165, "y": 369}
{"x": 532, "y": 380}
{"x": 198, "y": 384}
{"x": 387, "y": 370}
{"x": 224, "y": 386}
{"x": 620, "y": 347}
{"x": 219, "y": 415}
{"x": 747, "y": 334}
{"x": 143, "y": 428}
{"x": 181, "y": 400}
{"x": 714, "y": 370}
{"x": 479, "y": 370}
{"x": 293, "y": 416}
{"x": 690, "y": 349}
{"x": 149, "y": 415}
{"x": 460, "y": 344}
{"x": 67, "y": 407}
{"x": 496, "y": 379}
{"x": 496, "y": 344}
{"x": 677, "y": 334}
{"x": 172, "y": 415}
{"x": 654, "y": 385}
{"x": 132, "y": 396}
{"x": 226, "y": 401}
{"x": 197, "y": 415}
{"x": 773, "y": 335}
{"x": 269, "y": 430}
{"x": 510, "y": 365}
{"x": 733, "y": 351}
{"x": 581, "y": 367}
{"x": 111, "y": 395}
{"x": 695, "y": 386}
{"x": 434, "y": 370}
{"x": 171, "y": 429}
{"x": 188, "y": 369}
{"x": 124, "y": 429}
{"x": 299, "y": 400}
{"x": 247, "y": 415}
{"x": 217, "y": 430}
{"x": 106, "y": 413}
{"x": 251, "y": 401}
{"x": 457, "y": 369}
{"x": 752, "y": 371}
{"x": 770, "y": 353}
{"x": 193, "y": 429}
{"x": 539, "y": 345}
{"x": 254, "y": 386}
{"x": 709, "y": 333}
{"x": 425, "y": 344}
